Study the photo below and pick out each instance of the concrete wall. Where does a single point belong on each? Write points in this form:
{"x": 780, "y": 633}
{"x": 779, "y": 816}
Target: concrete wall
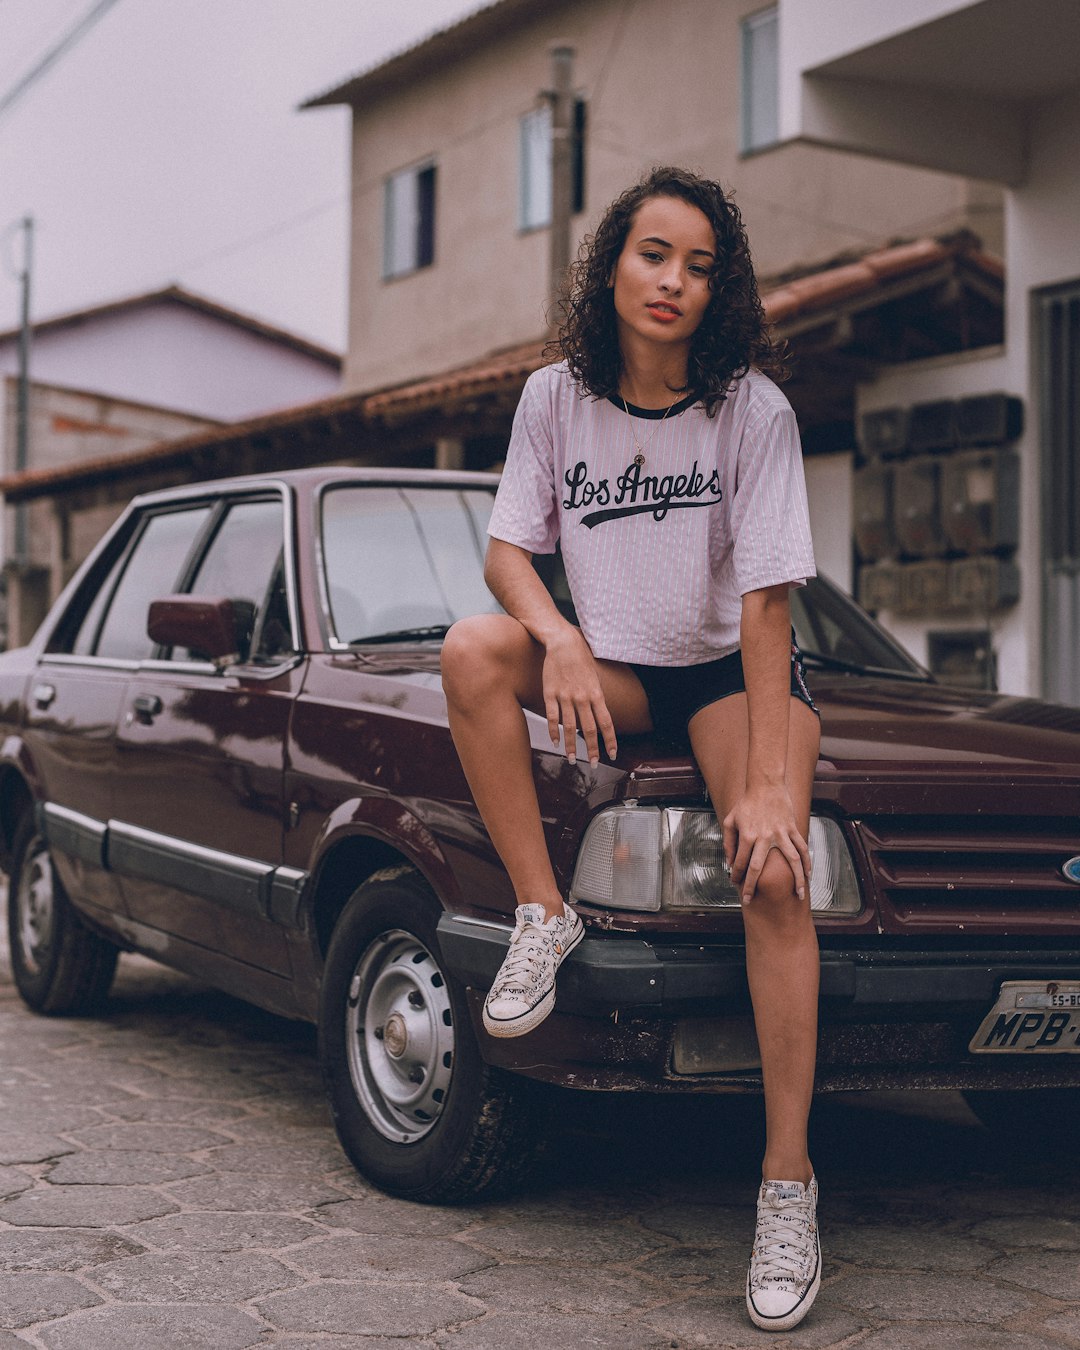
{"x": 176, "y": 357}
{"x": 662, "y": 84}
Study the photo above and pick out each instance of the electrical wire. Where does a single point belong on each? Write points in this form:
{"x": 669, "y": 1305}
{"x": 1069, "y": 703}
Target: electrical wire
{"x": 74, "y": 35}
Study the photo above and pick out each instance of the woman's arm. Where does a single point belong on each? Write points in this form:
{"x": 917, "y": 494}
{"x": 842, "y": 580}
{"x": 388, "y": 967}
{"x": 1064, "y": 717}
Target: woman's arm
{"x": 573, "y": 696}
{"x": 763, "y": 818}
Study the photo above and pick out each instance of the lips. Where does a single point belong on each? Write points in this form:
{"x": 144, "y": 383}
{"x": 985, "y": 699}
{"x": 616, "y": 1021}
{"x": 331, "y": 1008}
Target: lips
{"x": 664, "y": 311}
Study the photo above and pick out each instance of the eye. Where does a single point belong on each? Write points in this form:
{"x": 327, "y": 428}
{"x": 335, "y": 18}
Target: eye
{"x": 652, "y": 254}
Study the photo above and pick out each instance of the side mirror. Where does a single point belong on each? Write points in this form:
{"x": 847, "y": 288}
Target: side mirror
{"x": 219, "y": 629}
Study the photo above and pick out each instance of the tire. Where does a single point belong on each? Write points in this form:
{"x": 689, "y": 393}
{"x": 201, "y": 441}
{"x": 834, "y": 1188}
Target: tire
{"x": 416, "y": 1108}
{"x": 1023, "y": 1111}
{"x": 59, "y": 966}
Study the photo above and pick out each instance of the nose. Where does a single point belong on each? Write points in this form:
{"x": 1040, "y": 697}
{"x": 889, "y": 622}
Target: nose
{"x": 671, "y": 280}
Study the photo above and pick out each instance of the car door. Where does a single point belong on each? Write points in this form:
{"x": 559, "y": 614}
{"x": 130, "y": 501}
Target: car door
{"x": 197, "y": 809}
{"x": 77, "y": 695}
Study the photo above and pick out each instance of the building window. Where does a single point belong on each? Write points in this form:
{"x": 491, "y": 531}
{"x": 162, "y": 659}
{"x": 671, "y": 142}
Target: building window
{"x": 760, "y": 81}
{"x": 534, "y": 206}
{"x": 409, "y": 221}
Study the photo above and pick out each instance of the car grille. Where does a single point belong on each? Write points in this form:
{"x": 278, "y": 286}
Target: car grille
{"x": 976, "y": 871}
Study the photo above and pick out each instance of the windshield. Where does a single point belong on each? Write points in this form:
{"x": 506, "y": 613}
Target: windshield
{"x": 397, "y": 559}
{"x": 831, "y": 627}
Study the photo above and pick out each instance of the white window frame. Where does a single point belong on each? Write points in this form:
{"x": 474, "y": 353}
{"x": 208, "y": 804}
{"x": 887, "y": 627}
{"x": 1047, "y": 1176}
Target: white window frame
{"x": 534, "y": 168}
{"x": 402, "y": 221}
{"x": 760, "y": 80}
{"x": 534, "y": 164}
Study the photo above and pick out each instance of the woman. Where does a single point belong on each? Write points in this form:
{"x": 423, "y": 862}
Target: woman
{"x": 666, "y": 461}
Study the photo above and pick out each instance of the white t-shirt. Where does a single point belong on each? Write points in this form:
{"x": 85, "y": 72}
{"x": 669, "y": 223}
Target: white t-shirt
{"x": 659, "y": 556}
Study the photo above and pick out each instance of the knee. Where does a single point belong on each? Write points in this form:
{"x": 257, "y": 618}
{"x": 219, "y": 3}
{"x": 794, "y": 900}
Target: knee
{"x": 474, "y": 655}
{"x": 775, "y": 903}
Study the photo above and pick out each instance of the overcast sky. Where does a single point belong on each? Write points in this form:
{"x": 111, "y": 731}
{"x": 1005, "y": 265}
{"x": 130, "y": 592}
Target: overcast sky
{"x": 166, "y": 146}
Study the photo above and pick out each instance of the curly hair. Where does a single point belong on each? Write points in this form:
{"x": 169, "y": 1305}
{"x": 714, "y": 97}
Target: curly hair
{"x": 731, "y": 337}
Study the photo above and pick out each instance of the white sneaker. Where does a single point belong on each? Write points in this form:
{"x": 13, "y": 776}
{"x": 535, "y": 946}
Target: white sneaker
{"x": 785, "y": 1265}
{"x": 524, "y": 990}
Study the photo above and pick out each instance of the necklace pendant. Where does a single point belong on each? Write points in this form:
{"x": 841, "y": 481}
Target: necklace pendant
{"x": 639, "y": 460}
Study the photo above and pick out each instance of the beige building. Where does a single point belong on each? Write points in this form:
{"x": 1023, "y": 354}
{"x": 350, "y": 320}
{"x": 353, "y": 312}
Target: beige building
{"x": 451, "y": 189}
{"x": 1003, "y": 77}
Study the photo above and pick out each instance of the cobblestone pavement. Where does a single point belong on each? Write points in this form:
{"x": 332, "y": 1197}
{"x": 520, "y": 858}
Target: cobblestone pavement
{"x": 169, "y": 1178}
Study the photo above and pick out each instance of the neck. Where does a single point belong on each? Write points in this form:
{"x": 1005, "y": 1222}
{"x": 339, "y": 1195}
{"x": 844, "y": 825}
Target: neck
{"x": 651, "y": 378}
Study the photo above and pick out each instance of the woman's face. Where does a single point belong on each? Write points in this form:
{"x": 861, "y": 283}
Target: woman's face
{"x": 661, "y": 279}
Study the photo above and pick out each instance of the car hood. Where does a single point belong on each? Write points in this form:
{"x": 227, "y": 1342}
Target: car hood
{"x": 871, "y": 727}
{"x": 902, "y": 726}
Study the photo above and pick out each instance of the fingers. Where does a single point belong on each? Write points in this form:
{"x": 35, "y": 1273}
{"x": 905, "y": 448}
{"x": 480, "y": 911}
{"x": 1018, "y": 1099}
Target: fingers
{"x": 754, "y": 869}
{"x": 731, "y": 839}
{"x": 795, "y": 862}
{"x": 551, "y": 711}
{"x": 607, "y": 729}
{"x": 569, "y": 721}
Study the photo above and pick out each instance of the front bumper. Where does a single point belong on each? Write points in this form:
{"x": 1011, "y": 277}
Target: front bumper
{"x": 606, "y": 973}
{"x": 637, "y": 1013}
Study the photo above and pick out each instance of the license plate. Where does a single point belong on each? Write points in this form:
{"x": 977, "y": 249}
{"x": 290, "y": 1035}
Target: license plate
{"x": 1031, "y": 1019}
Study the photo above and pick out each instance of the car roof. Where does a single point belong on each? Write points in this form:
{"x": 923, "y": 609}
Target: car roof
{"x": 311, "y": 479}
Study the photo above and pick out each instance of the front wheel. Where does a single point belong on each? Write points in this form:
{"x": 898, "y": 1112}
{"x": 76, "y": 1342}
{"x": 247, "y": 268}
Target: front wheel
{"x": 416, "y": 1109}
{"x": 58, "y": 964}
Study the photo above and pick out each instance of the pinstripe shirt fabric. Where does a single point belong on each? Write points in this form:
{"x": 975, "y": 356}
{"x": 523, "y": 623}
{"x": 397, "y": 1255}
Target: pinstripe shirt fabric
{"x": 658, "y": 556}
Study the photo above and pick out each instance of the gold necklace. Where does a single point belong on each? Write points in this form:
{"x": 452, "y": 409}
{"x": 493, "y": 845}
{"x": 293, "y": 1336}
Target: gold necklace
{"x": 639, "y": 458}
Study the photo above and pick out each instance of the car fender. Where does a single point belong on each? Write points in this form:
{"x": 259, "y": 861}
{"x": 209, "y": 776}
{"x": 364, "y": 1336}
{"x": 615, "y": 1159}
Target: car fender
{"x": 388, "y": 822}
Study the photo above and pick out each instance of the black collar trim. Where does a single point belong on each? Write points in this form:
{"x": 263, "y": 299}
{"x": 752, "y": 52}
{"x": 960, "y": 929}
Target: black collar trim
{"x": 655, "y": 413}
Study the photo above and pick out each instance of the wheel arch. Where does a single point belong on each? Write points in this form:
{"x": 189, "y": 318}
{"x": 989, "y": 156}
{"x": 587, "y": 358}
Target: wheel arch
{"x": 16, "y": 798}
{"x": 348, "y": 863}
{"x": 362, "y": 836}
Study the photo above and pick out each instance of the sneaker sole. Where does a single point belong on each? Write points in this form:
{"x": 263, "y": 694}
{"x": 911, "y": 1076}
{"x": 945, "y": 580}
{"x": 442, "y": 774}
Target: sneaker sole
{"x": 531, "y": 1019}
{"x": 796, "y": 1315}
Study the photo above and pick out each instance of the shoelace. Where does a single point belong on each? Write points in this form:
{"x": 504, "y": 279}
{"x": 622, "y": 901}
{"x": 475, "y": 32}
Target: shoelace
{"x": 783, "y": 1245}
{"x": 524, "y": 962}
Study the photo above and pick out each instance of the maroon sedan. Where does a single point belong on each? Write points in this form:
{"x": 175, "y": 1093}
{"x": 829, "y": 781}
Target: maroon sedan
{"x": 227, "y": 749}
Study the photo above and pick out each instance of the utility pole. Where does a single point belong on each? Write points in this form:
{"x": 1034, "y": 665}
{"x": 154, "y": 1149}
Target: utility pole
{"x": 22, "y": 407}
{"x": 561, "y": 97}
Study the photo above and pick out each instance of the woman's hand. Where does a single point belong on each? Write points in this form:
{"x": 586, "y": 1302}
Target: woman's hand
{"x": 574, "y": 698}
{"x": 761, "y": 820}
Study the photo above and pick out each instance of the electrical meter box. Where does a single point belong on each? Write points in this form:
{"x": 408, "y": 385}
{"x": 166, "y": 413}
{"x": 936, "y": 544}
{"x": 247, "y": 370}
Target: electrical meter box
{"x": 884, "y": 433}
{"x": 924, "y": 588}
{"x": 980, "y": 500}
{"x": 872, "y": 510}
{"x": 933, "y": 426}
{"x": 989, "y": 419}
{"x": 916, "y": 508}
{"x": 980, "y": 585}
{"x": 879, "y": 585}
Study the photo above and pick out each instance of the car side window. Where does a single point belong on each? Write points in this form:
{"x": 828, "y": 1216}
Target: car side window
{"x": 151, "y": 569}
{"x": 244, "y": 563}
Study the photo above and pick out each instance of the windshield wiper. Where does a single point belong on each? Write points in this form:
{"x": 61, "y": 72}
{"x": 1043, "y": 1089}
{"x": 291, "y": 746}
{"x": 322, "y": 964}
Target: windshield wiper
{"x": 854, "y": 668}
{"x": 431, "y": 632}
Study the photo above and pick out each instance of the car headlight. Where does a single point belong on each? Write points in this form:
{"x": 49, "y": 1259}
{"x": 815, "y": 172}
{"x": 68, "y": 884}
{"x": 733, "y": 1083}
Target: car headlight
{"x": 652, "y": 858}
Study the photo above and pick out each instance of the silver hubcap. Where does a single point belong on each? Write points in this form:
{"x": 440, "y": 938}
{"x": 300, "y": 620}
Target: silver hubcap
{"x": 35, "y": 908}
{"x": 400, "y": 1036}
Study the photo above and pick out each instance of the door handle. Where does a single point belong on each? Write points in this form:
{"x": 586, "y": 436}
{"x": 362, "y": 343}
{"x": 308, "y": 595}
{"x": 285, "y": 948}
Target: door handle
{"x": 44, "y": 694}
{"x": 147, "y": 707}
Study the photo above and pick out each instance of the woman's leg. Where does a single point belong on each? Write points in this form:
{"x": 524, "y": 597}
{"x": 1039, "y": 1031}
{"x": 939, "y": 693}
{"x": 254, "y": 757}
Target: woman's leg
{"x": 782, "y": 961}
{"x": 492, "y": 669}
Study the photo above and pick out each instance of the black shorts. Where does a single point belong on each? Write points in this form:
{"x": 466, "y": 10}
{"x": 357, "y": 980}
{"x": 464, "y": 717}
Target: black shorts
{"x": 676, "y": 693}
